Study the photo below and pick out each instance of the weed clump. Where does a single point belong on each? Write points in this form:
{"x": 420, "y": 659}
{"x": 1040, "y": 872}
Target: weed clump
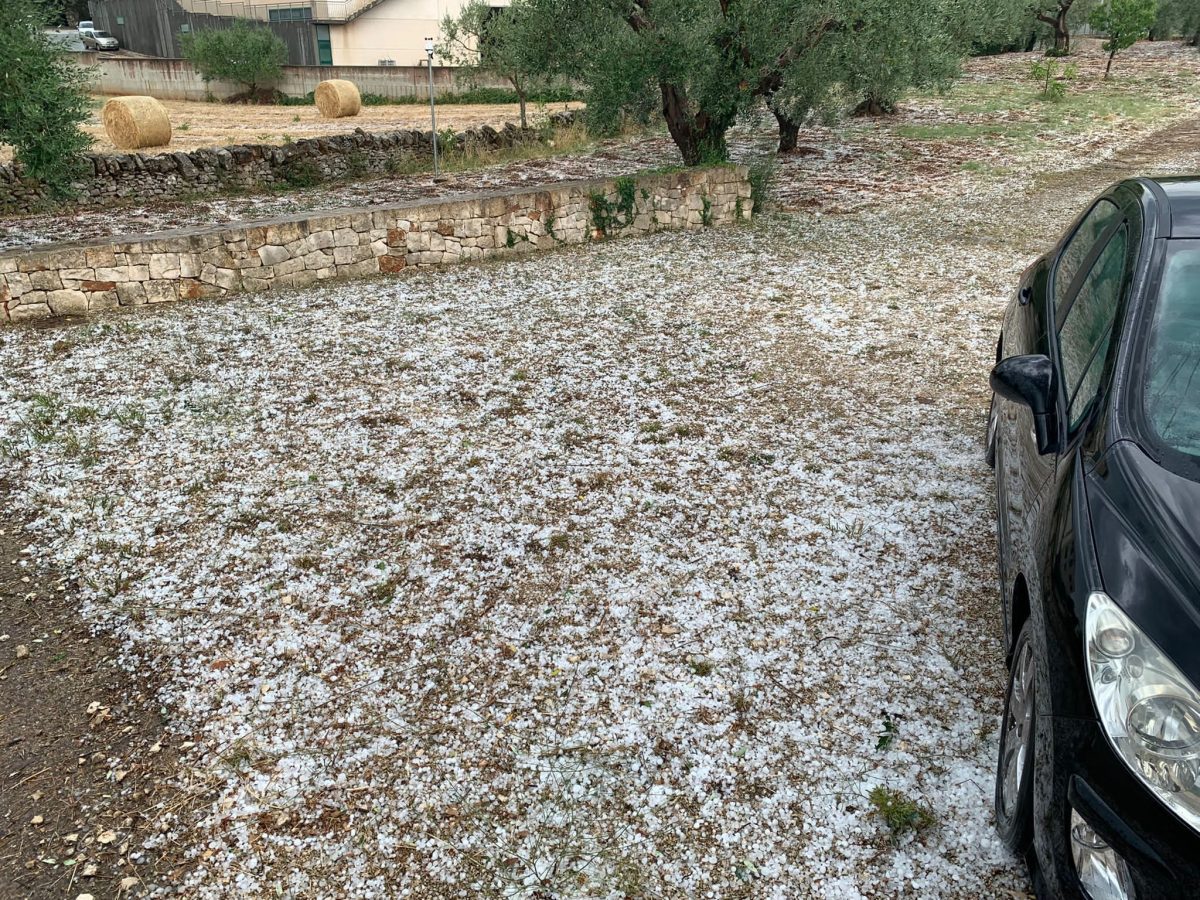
{"x": 900, "y": 813}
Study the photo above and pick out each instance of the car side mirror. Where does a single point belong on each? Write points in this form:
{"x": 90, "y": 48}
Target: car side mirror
{"x": 1029, "y": 380}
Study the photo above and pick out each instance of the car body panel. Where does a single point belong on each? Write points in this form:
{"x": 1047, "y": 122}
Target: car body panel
{"x": 1101, "y": 514}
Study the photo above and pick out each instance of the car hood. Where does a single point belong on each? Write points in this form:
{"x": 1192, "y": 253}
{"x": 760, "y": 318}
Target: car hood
{"x": 1146, "y": 529}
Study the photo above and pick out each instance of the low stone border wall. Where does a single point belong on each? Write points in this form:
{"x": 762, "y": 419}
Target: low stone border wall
{"x": 301, "y": 250}
{"x": 167, "y": 176}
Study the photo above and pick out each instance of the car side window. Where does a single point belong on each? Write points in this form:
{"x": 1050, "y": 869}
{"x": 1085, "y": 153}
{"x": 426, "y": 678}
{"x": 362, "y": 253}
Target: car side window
{"x": 1076, "y": 251}
{"x": 1086, "y": 331}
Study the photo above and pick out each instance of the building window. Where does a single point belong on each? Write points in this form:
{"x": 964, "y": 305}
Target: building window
{"x": 294, "y": 14}
{"x": 324, "y": 46}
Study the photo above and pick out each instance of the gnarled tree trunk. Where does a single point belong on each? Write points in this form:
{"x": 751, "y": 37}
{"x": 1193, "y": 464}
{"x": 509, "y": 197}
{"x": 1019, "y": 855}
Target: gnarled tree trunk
{"x": 789, "y": 131}
{"x": 1062, "y": 31}
{"x": 700, "y": 137}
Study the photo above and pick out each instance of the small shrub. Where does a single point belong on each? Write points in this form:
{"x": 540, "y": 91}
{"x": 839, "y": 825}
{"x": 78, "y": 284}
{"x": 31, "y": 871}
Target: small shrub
{"x": 900, "y": 813}
{"x": 301, "y": 173}
{"x": 1052, "y": 79}
{"x": 762, "y": 180}
{"x": 357, "y": 164}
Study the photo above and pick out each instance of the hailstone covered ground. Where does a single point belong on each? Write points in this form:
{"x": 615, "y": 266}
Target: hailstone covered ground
{"x": 651, "y": 568}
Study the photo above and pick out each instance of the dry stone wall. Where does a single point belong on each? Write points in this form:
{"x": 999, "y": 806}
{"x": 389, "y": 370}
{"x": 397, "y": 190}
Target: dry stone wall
{"x": 302, "y": 250}
{"x": 141, "y": 177}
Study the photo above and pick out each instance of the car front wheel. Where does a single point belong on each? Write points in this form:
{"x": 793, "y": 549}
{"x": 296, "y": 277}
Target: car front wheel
{"x": 1014, "y": 771}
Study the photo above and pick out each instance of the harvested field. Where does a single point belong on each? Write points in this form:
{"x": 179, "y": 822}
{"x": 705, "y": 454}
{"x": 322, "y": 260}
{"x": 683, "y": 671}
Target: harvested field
{"x": 221, "y": 124}
{"x": 199, "y": 124}
{"x": 623, "y": 571}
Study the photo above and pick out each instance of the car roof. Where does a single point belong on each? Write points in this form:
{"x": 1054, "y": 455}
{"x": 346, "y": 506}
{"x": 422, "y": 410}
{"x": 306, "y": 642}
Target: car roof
{"x": 1182, "y": 196}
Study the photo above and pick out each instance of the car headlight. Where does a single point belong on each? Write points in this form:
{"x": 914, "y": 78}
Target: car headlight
{"x": 1149, "y": 710}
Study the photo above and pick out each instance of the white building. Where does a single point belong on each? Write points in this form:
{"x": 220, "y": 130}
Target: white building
{"x": 317, "y": 32}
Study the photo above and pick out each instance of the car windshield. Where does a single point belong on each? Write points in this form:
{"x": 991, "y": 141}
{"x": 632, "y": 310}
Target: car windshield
{"x": 103, "y": 34}
{"x": 1173, "y": 375}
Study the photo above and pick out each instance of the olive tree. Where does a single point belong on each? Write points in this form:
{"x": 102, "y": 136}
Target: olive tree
{"x": 708, "y": 61}
{"x": 1124, "y": 22}
{"x": 244, "y": 53}
{"x": 1055, "y": 13}
{"x": 495, "y": 41}
{"x": 43, "y": 97}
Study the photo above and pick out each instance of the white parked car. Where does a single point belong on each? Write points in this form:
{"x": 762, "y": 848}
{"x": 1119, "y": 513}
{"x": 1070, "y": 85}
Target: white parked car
{"x": 87, "y": 25}
{"x": 100, "y": 40}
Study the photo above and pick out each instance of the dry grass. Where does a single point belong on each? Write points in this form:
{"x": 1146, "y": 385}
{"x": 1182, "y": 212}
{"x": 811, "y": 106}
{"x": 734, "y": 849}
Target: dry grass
{"x": 221, "y": 124}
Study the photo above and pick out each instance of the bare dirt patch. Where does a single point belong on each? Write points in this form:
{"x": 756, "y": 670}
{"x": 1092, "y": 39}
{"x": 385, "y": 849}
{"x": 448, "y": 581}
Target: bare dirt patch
{"x": 86, "y": 767}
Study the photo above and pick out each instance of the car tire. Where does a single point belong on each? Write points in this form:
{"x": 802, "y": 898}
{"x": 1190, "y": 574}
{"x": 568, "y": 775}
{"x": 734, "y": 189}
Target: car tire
{"x": 989, "y": 439}
{"x": 1014, "y": 767}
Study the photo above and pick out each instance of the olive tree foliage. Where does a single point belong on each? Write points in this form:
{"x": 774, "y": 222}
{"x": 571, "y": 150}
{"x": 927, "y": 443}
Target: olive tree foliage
{"x": 1177, "y": 19}
{"x": 1125, "y": 22}
{"x": 43, "y": 97}
{"x": 497, "y": 41}
{"x": 705, "y": 62}
{"x": 248, "y": 54}
{"x": 917, "y": 43}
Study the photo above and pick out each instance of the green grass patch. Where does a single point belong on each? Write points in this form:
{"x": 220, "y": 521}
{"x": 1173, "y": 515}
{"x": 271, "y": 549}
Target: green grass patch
{"x": 900, "y": 813}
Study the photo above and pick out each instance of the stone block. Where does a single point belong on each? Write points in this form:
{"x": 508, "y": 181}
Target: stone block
{"x": 115, "y": 274}
{"x": 284, "y": 233}
{"x": 102, "y": 300}
{"x": 217, "y": 256}
{"x": 345, "y": 237}
{"x": 99, "y": 256}
{"x": 161, "y": 291}
{"x": 256, "y": 237}
{"x": 29, "y": 311}
{"x": 289, "y": 267}
{"x": 391, "y": 264}
{"x": 81, "y": 274}
{"x": 18, "y": 283}
{"x": 318, "y": 260}
{"x": 189, "y": 265}
{"x": 256, "y": 285}
{"x": 296, "y": 280}
{"x": 7, "y": 265}
{"x": 324, "y": 274}
{"x": 397, "y": 237}
{"x": 320, "y": 240}
{"x": 97, "y": 286}
{"x": 271, "y": 254}
{"x": 164, "y": 265}
{"x": 229, "y": 279}
{"x": 189, "y": 289}
{"x": 67, "y": 303}
{"x": 379, "y": 248}
{"x": 45, "y": 281}
{"x": 359, "y": 269}
{"x": 131, "y": 293}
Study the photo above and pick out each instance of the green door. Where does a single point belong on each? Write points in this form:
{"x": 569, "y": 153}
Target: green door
{"x": 324, "y": 47}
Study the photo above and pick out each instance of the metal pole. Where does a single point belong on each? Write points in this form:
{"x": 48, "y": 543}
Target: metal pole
{"x": 432, "y": 107}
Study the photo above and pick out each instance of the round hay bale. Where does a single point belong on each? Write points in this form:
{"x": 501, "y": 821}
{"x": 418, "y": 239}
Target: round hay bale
{"x": 338, "y": 98}
{"x": 136, "y": 122}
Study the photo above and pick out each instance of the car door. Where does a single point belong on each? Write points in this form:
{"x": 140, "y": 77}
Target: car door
{"x": 1022, "y": 473}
